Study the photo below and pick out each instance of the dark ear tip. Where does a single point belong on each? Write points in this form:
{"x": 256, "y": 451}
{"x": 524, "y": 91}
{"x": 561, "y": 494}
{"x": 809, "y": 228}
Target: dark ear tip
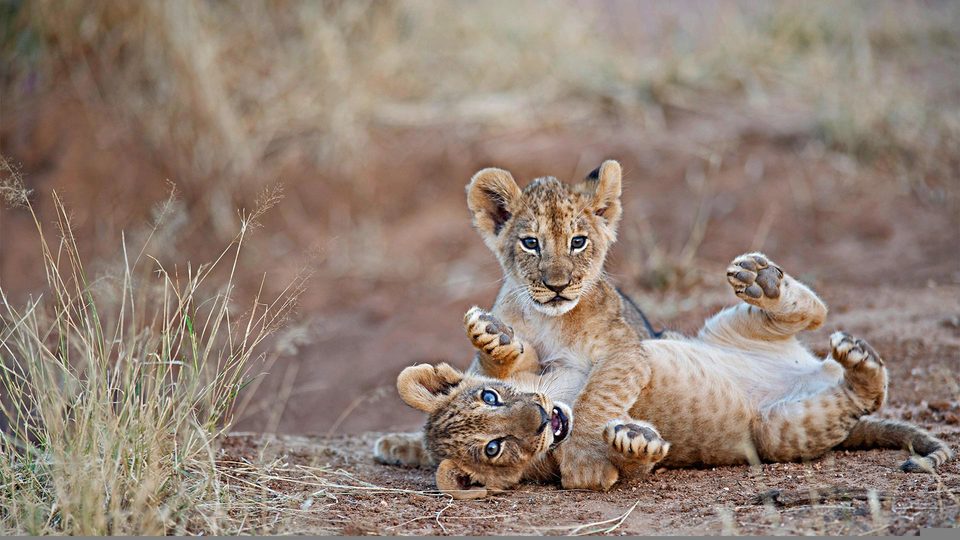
{"x": 594, "y": 174}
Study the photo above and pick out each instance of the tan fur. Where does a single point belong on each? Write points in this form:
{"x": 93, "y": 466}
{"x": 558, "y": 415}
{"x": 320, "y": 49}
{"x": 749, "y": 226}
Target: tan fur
{"x": 744, "y": 389}
{"x": 460, "y": 424}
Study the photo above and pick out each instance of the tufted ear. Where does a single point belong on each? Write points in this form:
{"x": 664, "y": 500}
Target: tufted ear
{"x": 606, "y": 196}
{"x": 492, "y": 196}
{"x": 456, "y": 482}
{"x": 424, "y": 386}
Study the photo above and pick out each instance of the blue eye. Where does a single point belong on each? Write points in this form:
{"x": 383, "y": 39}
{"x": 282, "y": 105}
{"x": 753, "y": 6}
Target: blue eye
{"x": 490, "y": 397}
{"x": 492, "y": 449}
{"x": 530, "y": 243}
{"x": 577, "y": 242}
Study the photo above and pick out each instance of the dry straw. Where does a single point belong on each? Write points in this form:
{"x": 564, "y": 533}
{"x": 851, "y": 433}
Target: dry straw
{"x": 115, "y": 390}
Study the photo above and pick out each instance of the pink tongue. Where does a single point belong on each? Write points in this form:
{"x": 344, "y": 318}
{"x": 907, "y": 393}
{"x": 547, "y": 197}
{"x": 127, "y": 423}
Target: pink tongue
{"x": 555, "y": 422}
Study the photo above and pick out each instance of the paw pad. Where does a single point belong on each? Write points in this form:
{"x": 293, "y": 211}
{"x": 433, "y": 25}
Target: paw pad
{"x": 754, "y": 276}
{"x": 491, "y": 335}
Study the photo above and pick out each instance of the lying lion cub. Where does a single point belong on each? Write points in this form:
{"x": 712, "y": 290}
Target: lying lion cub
{"x": 743, "y": 390}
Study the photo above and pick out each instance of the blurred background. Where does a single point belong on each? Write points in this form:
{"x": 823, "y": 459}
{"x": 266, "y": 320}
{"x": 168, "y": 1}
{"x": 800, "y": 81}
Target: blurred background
{"x": 826, "y": 134}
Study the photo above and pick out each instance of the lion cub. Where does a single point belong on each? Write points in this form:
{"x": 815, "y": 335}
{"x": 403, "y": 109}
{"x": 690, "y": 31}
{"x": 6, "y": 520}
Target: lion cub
{"x": 743, "y": 390}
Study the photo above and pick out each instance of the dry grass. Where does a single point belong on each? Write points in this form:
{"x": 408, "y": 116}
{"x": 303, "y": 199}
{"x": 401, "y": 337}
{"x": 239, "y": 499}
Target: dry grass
{"x": 225, "y": 91}
{"x": 605, "y": 526}
{"x": 275, "y": 496}
{"x": 230, "y": 95}
{"x": 115, "y": 389}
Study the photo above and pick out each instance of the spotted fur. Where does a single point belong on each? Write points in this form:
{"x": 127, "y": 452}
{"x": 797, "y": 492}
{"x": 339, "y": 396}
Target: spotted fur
{"x": 461, "y": 423}
{"x": 743, "y": 390}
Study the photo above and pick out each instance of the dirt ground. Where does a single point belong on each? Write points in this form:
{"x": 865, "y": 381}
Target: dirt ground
{"x": 882, "y": 249}
{"x": 859, "y": 492}
{"x": 883, "y": 257}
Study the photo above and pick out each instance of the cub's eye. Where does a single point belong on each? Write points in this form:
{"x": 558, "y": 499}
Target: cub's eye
{"x": 490, "y": 397}
{"x": 578, "y": 242}
{"x": 530, "y": 243}
{"x": 492, "y": 449}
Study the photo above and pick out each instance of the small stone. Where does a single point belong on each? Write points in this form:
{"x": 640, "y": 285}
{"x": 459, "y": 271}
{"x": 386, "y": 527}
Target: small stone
{"x": 940, "y": 405}
{"x": 951, "y": 322}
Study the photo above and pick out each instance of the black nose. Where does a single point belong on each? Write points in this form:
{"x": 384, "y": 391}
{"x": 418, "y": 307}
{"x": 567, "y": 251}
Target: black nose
{"x": 556, "y": 287}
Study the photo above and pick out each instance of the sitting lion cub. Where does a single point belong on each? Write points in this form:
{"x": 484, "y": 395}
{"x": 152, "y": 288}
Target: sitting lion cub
{"x": 743, "y": 390}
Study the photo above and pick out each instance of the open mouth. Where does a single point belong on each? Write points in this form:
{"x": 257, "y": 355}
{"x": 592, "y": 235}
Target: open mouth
{"x": 560, "y": 425}
{"x": 556, "y": 300}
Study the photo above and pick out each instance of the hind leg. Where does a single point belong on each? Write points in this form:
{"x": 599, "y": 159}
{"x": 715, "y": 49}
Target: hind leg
{"x": 864, "y": 374}
{"x": 807, "y": 428}
{"x": 777, "y": 306}
{"x": 928, "y": 451}
{"x": 403, "y": 449}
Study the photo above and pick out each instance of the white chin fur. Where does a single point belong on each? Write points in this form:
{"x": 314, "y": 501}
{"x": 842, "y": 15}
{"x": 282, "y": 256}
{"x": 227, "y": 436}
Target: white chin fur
{"x": 555, "y": 310}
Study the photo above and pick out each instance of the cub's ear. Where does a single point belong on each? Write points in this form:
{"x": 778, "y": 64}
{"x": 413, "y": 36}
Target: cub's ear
{"x": 456, "y": 482}
{"x": 606, "y": 197}
{"x": 492, "y": 196}
{"x": 424, "y": 386}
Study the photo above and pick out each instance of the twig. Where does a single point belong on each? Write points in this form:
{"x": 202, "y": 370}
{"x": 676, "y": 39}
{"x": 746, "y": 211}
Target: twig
{"x": 582, "y": 530}
{"x": 377, "y": 394}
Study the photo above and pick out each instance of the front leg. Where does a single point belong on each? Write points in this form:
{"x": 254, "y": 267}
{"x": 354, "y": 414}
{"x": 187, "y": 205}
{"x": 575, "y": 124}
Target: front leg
{"x": 788, "y": 305}
{"x": 612, "y": 387}
{"x": 776, "y": 306}
{"x": 500, "y": 352}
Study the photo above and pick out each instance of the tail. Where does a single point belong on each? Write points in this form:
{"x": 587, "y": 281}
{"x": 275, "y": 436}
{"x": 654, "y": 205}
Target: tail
{"x": 928, "y": 451}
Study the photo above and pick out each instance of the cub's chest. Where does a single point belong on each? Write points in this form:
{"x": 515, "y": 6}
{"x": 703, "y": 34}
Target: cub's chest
{"x": 565, "y": 368}
{"x": 559, "y": 351}
{"x": 558, "y": 356}
{"x": 563, "y": 355}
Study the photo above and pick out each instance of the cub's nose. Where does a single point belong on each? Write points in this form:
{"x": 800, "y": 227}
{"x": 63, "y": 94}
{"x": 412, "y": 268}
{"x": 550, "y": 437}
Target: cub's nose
{"x": 557, "y": 286}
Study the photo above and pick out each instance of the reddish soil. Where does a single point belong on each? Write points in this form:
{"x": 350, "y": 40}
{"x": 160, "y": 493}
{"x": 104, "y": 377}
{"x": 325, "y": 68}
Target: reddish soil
{"x": 400, "y": 265}
{"x": 915, "y": 327}
{"x": 883, "y": 258}
{"x": 862, "y": 240}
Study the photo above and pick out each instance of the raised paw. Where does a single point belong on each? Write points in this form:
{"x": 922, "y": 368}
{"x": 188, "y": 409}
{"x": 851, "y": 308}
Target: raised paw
{"x": 636, "y": 441}
{"x": 489, "y": 334}
{"x": 755, "y": 278}
{"x": 401, "y": 449}
{"x": 854, "y": 353}
{"x": 863, "y": 369}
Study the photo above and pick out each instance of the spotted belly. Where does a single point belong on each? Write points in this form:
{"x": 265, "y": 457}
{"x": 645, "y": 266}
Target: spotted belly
{"x": 706, "y": 419}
